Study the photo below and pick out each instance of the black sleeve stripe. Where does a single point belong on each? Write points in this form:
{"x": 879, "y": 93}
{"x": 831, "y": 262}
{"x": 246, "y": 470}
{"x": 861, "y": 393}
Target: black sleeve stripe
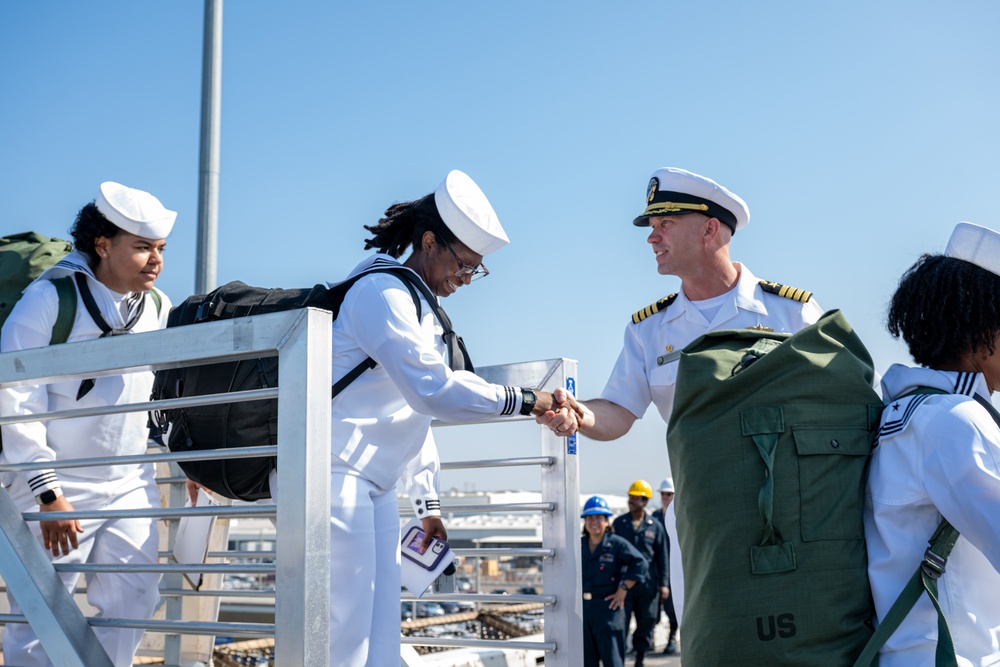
{"x": 45, "y": 478}
{"x": 433, "y": 505}
{"x": 510, "y": 401}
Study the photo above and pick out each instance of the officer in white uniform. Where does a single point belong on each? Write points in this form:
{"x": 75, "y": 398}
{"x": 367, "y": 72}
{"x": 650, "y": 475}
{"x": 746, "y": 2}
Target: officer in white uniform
{"x": 938, "y": 454}
{"x": 381, "y": 422}
{"x": 691, "y": 220}
{"x": 119, "y": 241}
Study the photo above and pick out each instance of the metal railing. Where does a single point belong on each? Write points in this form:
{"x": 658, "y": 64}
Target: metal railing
{"x": 302, "y": 342}
{"x": 559, "y": 507}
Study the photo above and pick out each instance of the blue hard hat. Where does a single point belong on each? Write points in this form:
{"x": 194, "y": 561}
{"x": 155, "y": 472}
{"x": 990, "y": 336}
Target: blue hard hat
{"x": 595, "y": 505}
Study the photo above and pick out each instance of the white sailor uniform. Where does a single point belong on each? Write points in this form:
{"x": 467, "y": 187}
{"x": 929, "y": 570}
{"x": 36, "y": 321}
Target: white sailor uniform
{"x": 381, "y": 430}
{"x": 115, "y": 595}
{"x": 937, "y": 455}
{"x": 646, "y": 369}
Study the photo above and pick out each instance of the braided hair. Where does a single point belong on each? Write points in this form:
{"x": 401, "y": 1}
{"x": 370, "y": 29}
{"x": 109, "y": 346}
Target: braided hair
{"x": 89, "y": 225}
{"x": 404, "y": 225}
{"x": 945, "y": 308}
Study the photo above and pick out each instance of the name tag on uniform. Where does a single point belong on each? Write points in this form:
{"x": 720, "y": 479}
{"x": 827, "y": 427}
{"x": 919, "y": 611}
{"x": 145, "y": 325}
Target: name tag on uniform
{"x": 607, "y": 558}
{"x": 668, "y": 358}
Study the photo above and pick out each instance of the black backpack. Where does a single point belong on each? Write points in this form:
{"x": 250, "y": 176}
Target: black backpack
{"x": 254, "y": 423}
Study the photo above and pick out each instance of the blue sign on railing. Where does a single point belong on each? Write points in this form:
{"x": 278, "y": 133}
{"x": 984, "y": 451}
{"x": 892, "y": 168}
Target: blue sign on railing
{"x": 571, "y": 440}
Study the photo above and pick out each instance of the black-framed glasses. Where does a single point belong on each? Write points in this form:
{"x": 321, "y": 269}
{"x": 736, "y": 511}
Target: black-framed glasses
{"x": 464, "y": 270}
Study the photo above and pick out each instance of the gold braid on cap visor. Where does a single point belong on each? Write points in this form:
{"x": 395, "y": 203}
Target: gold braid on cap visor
{"x": 664, "y": 207}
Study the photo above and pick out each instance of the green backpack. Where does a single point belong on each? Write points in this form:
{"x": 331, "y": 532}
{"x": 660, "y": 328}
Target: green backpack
{"x": 769, "y": 441}
{"x": 23, "y": 257}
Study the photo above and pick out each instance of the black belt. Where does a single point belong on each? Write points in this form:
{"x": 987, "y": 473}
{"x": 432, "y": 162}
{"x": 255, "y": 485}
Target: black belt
{"x": 598, "y": 594}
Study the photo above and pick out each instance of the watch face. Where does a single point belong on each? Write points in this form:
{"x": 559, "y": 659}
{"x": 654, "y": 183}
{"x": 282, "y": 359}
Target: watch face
{"x": 528, "y": 400}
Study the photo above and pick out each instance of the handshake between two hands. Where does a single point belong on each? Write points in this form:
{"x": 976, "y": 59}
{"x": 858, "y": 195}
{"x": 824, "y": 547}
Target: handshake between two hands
{"x": 566, "y": 415}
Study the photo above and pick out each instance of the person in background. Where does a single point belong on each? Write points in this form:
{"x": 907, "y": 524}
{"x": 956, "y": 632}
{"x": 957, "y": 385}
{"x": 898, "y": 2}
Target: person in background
{"x": 673, "y": 555}
{"x": 119, "y": 242}
{"x": 381, "y": 421}
{"x": 649, "y": 538}
{"x": 938, "y": 453}
{"x": 611, "y": 566}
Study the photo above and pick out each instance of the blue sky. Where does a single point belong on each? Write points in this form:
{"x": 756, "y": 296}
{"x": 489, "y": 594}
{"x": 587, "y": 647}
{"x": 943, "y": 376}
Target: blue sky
{"x": 859, "y": 133}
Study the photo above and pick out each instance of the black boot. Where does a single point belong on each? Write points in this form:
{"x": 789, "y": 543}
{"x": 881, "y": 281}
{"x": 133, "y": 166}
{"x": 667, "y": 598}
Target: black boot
{"x": 639, "y": 658}
{"x": 671, "y": 646}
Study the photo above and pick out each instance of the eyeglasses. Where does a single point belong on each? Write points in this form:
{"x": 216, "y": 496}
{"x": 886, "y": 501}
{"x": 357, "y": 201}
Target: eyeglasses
{"x": 464, "y": 270}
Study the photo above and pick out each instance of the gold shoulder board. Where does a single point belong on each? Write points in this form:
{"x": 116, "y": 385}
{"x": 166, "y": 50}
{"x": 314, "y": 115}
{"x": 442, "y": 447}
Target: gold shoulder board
{"x": 653, "y": 308}
{"x": 793, "y": 293}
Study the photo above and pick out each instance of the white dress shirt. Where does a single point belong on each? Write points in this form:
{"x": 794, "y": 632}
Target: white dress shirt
{"x": 642, "y": 375}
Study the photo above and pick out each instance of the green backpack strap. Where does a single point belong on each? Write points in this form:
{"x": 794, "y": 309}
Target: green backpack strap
{"x": 157, "y": 299}
{"x": 67, "y": 310}
{"x": 924, "y": 579}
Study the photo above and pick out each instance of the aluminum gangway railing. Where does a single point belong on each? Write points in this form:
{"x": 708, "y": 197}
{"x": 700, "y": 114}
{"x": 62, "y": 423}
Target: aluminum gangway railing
{"x": 302, "y": 341}
{"x": 559, "y": 509}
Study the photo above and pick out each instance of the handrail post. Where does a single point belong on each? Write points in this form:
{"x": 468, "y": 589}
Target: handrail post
{"x": 32, "y": 580}
{"x": 561, "y": 531}
{"x": 302, "y": 599}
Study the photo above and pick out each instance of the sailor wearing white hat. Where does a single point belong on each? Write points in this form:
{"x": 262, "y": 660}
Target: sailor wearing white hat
{"x": 119, "y": 240}
{"x": 691, "y": 221}
{"x": 939, "y": 453}
{"x": 381, "y": 422}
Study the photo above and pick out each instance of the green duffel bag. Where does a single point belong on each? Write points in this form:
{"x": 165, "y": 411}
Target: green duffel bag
{"x": 768, "y": 441}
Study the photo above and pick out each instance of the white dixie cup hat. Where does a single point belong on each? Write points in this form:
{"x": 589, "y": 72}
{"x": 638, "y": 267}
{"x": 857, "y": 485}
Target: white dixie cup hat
{"x": 468, "y": 214}
{"x": 134, "y": 211}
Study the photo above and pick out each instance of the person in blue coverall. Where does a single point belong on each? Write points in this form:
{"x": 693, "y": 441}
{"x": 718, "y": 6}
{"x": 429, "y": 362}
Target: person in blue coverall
{"x": 649, "y": 537}
{"x": 611, "y": 566}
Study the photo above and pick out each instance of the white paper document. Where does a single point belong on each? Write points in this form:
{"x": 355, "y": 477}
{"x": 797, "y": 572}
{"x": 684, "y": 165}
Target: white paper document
{"x": 419, "y": 568}
{"x": 193, "y": 534}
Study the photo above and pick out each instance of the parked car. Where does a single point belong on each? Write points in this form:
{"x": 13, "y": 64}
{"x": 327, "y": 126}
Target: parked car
{"x": 425, "y": 609}
{"x": 451, "y": 607}
{"x": 527, "y": 590}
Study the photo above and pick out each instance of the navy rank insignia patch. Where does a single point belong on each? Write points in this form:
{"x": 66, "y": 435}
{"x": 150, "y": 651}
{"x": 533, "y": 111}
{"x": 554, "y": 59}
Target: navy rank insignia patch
{"x": 651, "y": 189}
{"x": 793, "y": 293}
{"x": 653, "y": 308}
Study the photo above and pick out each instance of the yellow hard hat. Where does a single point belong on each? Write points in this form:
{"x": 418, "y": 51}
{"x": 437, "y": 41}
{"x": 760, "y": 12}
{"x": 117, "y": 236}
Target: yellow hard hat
{"x": 641, "y": 487}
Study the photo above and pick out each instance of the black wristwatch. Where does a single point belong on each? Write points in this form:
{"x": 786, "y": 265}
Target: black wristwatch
{"x": 528, "y": 399}
{"x": 46, "y": 497}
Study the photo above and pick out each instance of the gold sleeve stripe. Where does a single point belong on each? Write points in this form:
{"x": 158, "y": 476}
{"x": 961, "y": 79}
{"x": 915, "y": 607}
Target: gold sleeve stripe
{"x": 785, "y": 291}
{"x": 653, "y": 308}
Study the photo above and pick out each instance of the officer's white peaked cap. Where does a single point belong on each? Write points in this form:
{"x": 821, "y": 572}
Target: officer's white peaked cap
{"x": 468, "y": 214}
{"x": 134, "y": 211}
{"x": 976, "y": 244}
{"x": 667, "y": 485}
{"x": 674, "y": 191}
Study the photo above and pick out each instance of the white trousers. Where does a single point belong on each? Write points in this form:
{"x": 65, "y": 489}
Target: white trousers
{"x": 364, "y": 572}
{"x": 118, "y": 541}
